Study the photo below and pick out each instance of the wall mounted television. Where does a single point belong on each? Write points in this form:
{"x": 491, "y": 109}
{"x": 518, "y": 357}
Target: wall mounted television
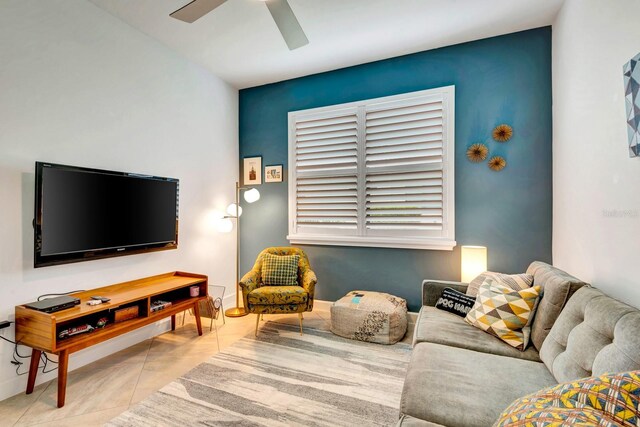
{"x": 83, "y": 214}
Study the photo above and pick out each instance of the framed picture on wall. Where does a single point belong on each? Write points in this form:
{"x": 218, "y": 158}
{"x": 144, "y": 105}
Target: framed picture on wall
{"x": 252, "y": 171}
{"x": 273, "y": 173}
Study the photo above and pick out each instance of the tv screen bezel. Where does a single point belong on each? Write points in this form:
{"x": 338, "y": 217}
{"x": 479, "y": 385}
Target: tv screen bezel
{"x": 40, "y": 260}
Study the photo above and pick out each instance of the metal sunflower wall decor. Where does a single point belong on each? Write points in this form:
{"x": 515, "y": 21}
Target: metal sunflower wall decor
{"x": 502, "y": 133}
{"x": 497, "y": 163}
{"x": 477, "y": 152}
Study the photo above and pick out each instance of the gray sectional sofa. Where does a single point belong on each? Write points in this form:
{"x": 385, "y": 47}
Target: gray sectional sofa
{"x": 462, "y": 376}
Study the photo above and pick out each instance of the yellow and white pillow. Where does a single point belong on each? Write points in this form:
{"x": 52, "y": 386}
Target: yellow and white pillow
{"x": 504, "y": 312}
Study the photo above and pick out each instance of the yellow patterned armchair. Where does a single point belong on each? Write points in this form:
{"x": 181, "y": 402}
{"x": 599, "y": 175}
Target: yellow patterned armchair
{"x": 260, "y": 299}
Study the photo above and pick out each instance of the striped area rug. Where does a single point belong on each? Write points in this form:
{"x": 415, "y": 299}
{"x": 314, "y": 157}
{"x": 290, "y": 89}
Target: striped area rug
{"x": 283, "y": 379}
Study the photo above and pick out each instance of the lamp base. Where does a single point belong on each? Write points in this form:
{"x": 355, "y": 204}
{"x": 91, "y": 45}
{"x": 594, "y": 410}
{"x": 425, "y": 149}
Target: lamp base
{"x": 236, "y": 312}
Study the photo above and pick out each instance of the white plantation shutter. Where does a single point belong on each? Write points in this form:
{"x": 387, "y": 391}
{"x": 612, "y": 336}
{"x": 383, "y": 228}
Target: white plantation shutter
{"x": 374, "y": 173}
{"x": 326, "y": 169}
{"x": 404, "y": 167}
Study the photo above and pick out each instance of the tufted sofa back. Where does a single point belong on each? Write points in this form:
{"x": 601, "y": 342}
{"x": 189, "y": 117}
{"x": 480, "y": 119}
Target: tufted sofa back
{"x": 557, "y": 288}
{"x": 593, "y": 335}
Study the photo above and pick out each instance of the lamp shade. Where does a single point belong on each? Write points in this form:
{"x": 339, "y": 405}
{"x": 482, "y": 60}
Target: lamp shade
{"x": 252, "y": 195}
{"x": 225, "y": 225}
{"x": 473, "y": 261}
{"x": 234, "y": 210}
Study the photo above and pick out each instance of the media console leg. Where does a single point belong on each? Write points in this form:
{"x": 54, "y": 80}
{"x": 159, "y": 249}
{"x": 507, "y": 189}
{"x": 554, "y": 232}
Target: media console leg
{"x": 63, "y": 365}
{"x": 33, "y": 370}
{"x": 173, "y": 322}
{"x": 196, "y": 311}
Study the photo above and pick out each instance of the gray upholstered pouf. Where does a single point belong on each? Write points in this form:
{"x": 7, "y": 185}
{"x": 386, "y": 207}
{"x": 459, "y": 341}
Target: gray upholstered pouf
{"x": 370, "y": 316}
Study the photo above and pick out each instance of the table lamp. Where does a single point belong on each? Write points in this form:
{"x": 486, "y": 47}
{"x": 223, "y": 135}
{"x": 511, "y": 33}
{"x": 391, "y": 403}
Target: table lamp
{"x": 473, "y": 261}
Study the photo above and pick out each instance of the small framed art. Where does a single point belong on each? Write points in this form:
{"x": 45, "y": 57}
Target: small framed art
{"x": 252, "y": 171}
{"x": 273, "y": 173}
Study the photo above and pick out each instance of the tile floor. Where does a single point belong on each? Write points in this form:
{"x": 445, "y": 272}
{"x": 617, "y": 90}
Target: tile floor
{"x": 102, "y": 390}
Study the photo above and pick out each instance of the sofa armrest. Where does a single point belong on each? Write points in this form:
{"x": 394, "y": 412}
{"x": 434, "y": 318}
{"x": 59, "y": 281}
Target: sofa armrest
{"x": 432, "y": 289}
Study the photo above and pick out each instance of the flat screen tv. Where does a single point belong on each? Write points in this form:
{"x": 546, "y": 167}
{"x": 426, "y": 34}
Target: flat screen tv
{"x": 83, "y": 214}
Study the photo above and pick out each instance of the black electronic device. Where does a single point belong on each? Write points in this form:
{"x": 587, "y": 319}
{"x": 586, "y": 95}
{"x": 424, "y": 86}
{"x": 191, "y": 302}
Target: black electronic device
{"x": 51, "y": 305}
{"x": 83, "y": 214}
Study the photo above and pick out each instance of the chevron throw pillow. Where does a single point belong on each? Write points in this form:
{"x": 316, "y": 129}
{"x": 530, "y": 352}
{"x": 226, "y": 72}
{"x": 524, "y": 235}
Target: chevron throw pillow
{"x": 280, "y": 270}
{"x": 504, "y": 312}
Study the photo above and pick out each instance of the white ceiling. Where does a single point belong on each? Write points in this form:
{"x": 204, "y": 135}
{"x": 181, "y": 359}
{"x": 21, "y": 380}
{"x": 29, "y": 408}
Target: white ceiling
{"x": 240, "y": 43}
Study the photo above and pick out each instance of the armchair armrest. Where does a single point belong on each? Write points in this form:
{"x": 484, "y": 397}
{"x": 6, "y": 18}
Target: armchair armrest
{"x": 432, "y": 289}
{"x": 309, "y": 281}
{"x": 248, "y": 283}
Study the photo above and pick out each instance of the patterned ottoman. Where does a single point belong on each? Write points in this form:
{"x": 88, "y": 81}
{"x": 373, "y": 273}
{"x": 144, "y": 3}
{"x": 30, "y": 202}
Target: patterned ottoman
{"x": 370, "y": 316}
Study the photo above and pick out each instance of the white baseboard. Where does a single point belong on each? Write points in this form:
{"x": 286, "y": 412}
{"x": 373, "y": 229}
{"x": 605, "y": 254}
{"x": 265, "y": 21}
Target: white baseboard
{"x": 322, "y": 305}
{"x": 229, "y": 301}
{"x": 413, "y": 316}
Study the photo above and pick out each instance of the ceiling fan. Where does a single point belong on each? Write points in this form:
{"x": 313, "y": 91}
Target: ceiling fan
{"x": 280, "y": 11}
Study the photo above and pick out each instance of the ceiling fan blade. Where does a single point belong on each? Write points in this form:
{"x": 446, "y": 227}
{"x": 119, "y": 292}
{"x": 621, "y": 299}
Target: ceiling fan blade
{"x": 195, "y": 10}
{"x": 287, "y": 23}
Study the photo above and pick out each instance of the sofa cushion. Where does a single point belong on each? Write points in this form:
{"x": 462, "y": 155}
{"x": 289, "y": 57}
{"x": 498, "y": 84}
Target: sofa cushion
{"x": 516, "y": 282}
{"x": 439, "y": 327}
{"x": 609, "y": 400}
{"x": 557, "y": 287}
{"x": 458, "y": 387}
{"x": 278, "y": 295}
{"x": 594, "y": 334}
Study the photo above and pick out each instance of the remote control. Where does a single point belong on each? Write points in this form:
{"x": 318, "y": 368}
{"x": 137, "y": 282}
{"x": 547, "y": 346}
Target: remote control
{"x": 94, "y": 302}
{"x": 102, "y": 299}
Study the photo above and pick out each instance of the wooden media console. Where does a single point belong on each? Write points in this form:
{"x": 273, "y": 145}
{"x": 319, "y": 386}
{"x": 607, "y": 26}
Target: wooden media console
{"x": 42, "y": 331}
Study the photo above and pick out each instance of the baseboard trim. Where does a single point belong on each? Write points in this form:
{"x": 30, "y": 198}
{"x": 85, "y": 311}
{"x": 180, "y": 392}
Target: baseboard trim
{"x": 322, "y": 304}
{"x": 229, "y": 301}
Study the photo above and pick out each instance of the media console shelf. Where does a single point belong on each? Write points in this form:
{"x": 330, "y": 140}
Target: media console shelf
{"x": 42, "y": 331}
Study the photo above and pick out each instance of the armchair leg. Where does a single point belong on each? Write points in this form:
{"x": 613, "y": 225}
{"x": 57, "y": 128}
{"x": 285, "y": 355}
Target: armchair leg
{"x": 257, "y": 323}
{"x": 300, "y": 316}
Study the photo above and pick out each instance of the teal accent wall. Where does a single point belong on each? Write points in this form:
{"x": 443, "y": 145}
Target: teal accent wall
{"x": 504, "y": 79}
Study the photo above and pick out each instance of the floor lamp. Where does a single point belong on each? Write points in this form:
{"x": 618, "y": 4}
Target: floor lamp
{"x": 234, "y": 211}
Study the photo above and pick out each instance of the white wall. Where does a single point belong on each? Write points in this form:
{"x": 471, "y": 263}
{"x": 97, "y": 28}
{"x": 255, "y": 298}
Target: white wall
{"x": 596, "y": 218}
{"x": 79, "y": 87}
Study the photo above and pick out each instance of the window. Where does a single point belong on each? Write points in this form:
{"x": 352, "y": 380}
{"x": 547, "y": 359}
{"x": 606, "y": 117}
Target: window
{"x": 374, "y": 173}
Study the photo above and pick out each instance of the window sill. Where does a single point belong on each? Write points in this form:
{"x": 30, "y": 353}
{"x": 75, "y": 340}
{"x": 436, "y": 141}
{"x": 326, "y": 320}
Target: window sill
{"x": 374, "y": 242}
